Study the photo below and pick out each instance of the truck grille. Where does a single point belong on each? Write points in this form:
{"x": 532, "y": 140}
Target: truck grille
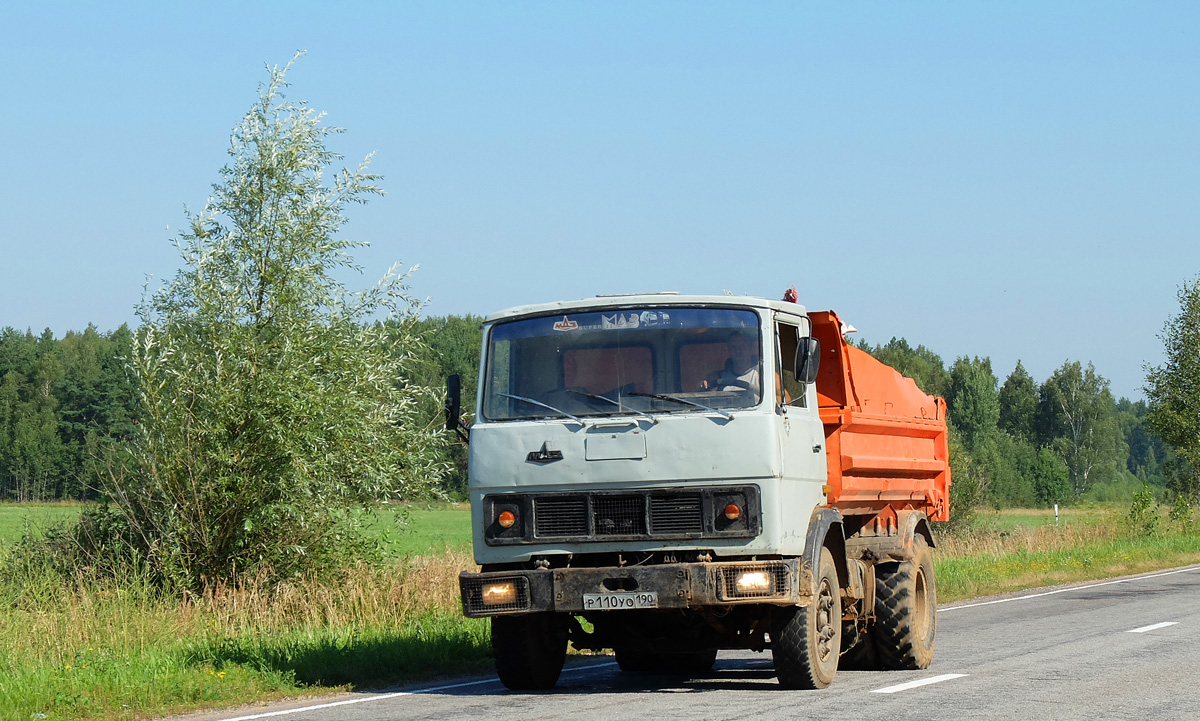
{"x": 619, "y": 515}
{"x": 676, "y": 513}
{"x": 688, "y": 513}
{"x": 561, "y": 516}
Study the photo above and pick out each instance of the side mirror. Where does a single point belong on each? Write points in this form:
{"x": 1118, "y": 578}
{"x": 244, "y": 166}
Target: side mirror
{"x": 453, "y": 403}
{"x": 808, "y": 359}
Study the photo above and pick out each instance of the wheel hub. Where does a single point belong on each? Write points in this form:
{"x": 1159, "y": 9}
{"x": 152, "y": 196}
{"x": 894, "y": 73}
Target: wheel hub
{"x": 825, "y": 622}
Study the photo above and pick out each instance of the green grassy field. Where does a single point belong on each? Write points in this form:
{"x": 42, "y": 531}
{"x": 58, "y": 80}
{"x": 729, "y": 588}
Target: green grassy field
{"x": 421, "y": 529}
{"x": 1010, "y": 519}
{"x": 402, "y": 530}
{"x": 17, "y": 518}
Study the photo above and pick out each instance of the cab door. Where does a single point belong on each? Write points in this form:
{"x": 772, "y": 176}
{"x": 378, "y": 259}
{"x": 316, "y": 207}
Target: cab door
{"x": 799, "y": 430}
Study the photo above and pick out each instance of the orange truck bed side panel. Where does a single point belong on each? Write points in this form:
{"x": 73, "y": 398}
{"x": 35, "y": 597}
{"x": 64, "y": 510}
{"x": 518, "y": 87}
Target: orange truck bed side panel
{"x": 886, "y": 440}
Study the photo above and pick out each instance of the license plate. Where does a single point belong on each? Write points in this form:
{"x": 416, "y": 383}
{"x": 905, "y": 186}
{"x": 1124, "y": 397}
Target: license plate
{"x": 619, "y": 601}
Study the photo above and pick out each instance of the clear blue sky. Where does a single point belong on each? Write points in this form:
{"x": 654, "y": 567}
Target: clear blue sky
{"x": 1011, "y": 180}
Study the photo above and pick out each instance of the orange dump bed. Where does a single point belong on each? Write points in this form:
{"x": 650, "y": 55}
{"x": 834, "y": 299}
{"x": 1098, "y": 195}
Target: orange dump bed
{"x": 885, "y": 439}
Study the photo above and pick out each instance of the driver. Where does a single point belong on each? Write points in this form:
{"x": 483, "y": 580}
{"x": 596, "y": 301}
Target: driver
{"x": 741, "y": 370}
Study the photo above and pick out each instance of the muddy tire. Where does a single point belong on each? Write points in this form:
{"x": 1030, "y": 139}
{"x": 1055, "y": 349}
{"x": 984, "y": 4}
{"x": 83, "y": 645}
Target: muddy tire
{"x": 632, "y": 661}
{"x": 906, "y": 611}
{"x": 806, "y": 640}
{"x": 529, "y": 650}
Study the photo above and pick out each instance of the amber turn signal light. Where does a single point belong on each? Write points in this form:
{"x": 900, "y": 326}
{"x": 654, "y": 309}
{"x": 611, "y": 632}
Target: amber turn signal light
{"x": 732, "y": 512}
{"x": 506, "y": 519}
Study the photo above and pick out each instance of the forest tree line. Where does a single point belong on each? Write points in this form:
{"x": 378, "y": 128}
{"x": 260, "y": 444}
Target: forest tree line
{"x": 1016, "y": 443}
{"x": 60, "y": 400}
{"x": 1024, "y": 443}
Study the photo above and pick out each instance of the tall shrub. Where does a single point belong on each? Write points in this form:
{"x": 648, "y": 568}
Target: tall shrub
{"x": 272, "y": 399}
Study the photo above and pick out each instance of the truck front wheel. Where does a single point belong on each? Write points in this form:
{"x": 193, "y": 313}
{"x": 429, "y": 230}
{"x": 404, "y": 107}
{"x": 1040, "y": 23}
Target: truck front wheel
{"x": 906, "y": 610}
{"x": 529, "y": 650}
{"x": 806, "y": 641}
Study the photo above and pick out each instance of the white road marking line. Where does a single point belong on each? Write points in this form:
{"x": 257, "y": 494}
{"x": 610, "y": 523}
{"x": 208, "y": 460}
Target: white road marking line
{"x": 1072, "y": 588}
{"x": 396, "y": 694}
{"x": 1152, "y": 627}
{"x": 918, "y": 683}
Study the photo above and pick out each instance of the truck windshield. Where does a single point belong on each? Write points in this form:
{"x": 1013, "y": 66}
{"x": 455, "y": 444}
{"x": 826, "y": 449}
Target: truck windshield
{"x": 637, "y": 361}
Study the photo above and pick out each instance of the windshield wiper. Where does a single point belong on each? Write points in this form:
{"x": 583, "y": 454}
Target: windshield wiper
{"x": 620, "y": 407}
{"x": 544, "y": 405}
{"x": 685, "y": 401}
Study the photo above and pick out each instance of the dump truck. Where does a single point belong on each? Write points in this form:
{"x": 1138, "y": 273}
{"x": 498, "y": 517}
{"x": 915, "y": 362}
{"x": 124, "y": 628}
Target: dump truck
{"x": 666, "y": 476}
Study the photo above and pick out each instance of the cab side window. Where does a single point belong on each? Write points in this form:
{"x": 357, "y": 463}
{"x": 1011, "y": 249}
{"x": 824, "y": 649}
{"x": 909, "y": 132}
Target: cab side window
{"x": 789, "y": 391}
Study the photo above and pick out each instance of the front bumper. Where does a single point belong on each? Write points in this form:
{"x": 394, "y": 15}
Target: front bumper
{"x": 677, "y": 585}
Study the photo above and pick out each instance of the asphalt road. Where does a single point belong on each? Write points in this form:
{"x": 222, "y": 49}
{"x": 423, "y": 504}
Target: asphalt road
{"x": 1122, "y": 649}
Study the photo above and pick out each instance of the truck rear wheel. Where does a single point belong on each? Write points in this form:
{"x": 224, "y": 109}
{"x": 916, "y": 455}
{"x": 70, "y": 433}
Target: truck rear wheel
{"x": 529, "y": 650}
{"x": 632, "y": 661}
{"x": 906, "y": 610}
{"x": 806, "y": 641}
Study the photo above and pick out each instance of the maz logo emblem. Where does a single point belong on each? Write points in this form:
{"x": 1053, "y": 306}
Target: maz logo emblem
{"x": 544, "y": 455}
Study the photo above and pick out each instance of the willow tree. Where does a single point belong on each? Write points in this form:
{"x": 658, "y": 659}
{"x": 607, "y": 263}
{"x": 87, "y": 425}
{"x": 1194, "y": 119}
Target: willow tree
{"x": 272, "y": 396}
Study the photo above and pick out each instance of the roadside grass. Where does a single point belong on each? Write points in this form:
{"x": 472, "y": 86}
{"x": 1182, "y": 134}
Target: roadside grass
{"x": 89, "y": 648}
{"x": 988, "y": 560}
